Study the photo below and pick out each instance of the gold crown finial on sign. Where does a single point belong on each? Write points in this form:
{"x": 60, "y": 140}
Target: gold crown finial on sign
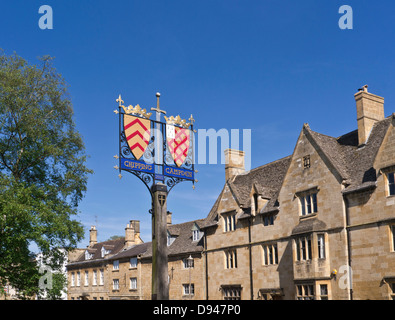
{"x": 177, "y": 121}
{"x": 137, "y": 110}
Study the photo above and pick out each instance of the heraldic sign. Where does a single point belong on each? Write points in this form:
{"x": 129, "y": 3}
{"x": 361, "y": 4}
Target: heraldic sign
{"x": 152, "y": 150}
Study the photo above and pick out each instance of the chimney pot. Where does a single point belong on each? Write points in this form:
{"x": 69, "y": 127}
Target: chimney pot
{"x": 92, "y": 236}
{"x": 234, "y": 163}
{"x": 132, "y": 233}
{"x": 370, "y": 109}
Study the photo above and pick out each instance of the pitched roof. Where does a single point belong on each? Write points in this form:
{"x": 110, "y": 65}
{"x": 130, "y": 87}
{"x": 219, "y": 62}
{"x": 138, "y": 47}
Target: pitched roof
{"x": 183, "y": 243}
{"x": 266, "y": 180}
{"x": 113, "y": 245}
{"x": 131, "y": 252}
{"x": 354, "y": 164}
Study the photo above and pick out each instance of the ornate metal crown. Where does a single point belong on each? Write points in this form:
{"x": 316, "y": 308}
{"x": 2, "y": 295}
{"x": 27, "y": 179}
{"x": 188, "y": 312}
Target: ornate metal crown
{"x": 137, "y": 111}
{"x": 177, "y": 121}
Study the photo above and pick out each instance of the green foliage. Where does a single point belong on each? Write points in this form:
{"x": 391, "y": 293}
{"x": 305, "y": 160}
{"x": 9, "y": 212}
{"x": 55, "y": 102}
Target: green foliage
{"x": 58, "y": 286}
{"x": 115, "y": 238}
{"x": 43, "y": 175}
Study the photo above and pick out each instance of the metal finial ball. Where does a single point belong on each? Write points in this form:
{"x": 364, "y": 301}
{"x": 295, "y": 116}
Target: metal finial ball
{"x": 157, "y": 94}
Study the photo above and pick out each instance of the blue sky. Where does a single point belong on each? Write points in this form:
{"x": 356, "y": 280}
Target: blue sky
{"x": 265, "y": 65}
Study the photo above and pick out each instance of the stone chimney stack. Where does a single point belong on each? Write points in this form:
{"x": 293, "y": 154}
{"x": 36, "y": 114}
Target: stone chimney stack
{"x": 132, "y": 233}
{"x": 370, "y": 109}
{"x": 169, "y": 218}
{"x": 92, "y": 236}
{"x": 234, "y": 163}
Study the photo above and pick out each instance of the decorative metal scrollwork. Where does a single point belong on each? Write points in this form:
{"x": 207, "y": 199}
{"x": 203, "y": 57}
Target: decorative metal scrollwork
{"x": 156, "y": 173}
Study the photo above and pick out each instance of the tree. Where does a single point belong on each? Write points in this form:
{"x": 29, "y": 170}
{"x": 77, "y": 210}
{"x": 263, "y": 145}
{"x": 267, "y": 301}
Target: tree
{"x": 57, "y": 288}
{"x": 43, "y": 175}
{"x": 115, "y": 237}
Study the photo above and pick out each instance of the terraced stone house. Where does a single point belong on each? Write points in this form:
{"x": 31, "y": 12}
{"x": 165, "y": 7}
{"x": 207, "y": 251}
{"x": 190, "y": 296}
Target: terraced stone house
{"x": 318, "y": 224}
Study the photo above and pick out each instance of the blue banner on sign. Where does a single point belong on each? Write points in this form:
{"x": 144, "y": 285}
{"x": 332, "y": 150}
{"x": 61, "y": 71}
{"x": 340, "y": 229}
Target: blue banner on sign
{"x": 128, "y": 164}
{"x": 179, "y": 173}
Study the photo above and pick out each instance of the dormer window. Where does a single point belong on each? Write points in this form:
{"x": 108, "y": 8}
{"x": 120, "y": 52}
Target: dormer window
{"x": 88, "y": 255}
{"x": 104, "y": 251}
{"x": 170, "y": 238}
{"x": 255, "y": 202}
{"x": 196, "y": 234}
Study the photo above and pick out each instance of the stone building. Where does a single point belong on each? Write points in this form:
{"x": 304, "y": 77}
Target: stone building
{"x": 89, "y": 269}
{"x": 318, "y": 224}
{"x": 121, "y": 269}
{"x": 185, "y": 262}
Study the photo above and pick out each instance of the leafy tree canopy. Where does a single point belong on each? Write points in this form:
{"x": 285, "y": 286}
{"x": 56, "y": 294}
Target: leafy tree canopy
{"x": 43, "y": 175}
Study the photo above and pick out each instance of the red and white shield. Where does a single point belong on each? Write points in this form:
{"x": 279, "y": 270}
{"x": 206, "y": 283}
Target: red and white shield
{"x": 179, "y": 145}
{"x": 138, "y": 134}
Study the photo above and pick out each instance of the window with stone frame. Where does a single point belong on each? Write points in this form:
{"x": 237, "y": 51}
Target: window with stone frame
{"x": 391, "y": 183}
{"x": 115, "y": 284}
{"x": 324, "y": 292}
{"x": 231, "y": 259}
{"x": 270, "y": 255}
{"x": 101, "y": 277}
{"x": 305, "y": 291}
{"x": 306, "y": 162}
{"x": 392, "y": 287}
{"x": 231, "y": 292}
{"x": 308, "y": 203}
{"x": 94, "y": 280}
{"x": 72, "y": 279}
{"x": 115, "y": 265}
{"x": 321, "y": 246}
{"x": 188, "y": 289}
{"x": 392, "y": 235}
{"x": 133, "y": 262}
{"x": 303, "y": 248}
{"x": 133, "y": 283}
{"x": 268, "y": 219}
{"x": 229, "y": 222}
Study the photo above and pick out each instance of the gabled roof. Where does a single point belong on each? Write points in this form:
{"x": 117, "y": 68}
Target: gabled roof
{"x": 354, "y": 164}
{"x": 266, "y": 180}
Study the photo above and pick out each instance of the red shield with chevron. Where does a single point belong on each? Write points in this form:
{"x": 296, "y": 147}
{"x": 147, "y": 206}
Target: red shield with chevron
{"x": 179, "y": 145}
{"x": 138, "y": 134}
